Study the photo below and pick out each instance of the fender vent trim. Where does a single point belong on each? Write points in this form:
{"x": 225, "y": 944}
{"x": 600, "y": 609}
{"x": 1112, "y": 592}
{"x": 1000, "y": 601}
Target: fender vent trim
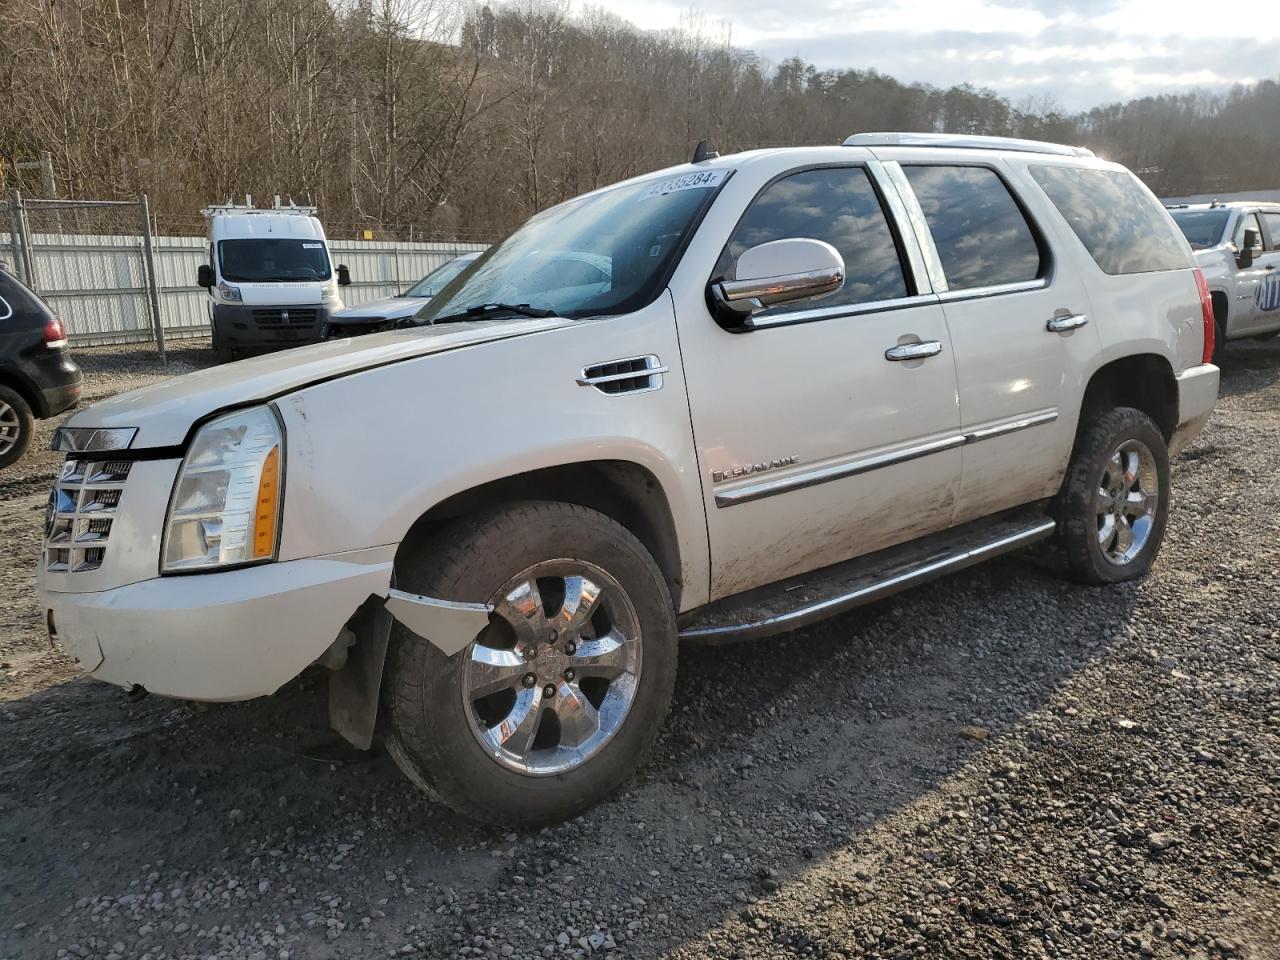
{"x": 630, "y": 375}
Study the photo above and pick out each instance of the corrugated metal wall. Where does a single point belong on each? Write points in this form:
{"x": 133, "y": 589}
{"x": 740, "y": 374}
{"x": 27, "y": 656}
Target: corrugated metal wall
{"x": 97, "y": 285}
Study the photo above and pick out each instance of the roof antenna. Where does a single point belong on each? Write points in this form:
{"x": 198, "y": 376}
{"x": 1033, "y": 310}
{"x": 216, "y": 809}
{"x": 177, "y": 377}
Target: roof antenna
{"x": 701, "y": 154}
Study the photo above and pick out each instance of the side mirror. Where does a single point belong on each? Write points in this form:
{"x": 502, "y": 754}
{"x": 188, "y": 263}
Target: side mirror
{"x": 344, "y": 275}
{"x": 777, "y": 272}
{"x": 1244, "y": 256}
{"x": 205, "y": 277}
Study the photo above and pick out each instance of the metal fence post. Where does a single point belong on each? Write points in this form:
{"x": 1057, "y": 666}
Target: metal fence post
{"x": 153, "y": 284}
{"x": 24, "y": 238}
{"x": 15, "y": 238}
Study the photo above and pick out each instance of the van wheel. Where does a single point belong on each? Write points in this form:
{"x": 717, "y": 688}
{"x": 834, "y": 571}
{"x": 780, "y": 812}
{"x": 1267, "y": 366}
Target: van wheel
{"x": 1114, "y": 504}
{"x": 559, "y": 698}
{"x": 16, "y": 426}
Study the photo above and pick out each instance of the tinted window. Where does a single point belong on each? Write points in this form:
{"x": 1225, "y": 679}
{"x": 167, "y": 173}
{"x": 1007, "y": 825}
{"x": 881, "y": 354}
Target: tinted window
{"x": 1273, "y": 225}
{"x": 1247, "y": 222}
{"x": 1202, "y": 228}
{"x": 982, "y": 237}
{"x": 15, "y": 297}
{"x": 839, "y": 206}
{"x": 1122, "y": 226}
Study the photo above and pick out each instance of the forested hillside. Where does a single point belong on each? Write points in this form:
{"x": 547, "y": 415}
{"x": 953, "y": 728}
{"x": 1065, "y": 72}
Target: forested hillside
{"x": 463, "y": 119}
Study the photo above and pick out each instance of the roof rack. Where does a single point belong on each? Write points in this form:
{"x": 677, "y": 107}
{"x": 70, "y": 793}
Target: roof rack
{"x": 963, "y": 140}
{"x": 247, "y": 208}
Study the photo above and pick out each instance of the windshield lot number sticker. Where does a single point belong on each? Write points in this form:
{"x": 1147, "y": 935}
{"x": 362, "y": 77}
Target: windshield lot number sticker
{"x": 690, "y": 181}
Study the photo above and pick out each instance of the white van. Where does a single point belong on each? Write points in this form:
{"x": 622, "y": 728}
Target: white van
{"x": 271, "y": 280}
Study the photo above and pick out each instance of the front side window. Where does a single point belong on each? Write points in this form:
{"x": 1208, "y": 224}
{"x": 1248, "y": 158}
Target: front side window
{"x": 983, "y": 239}
{"x": 607, "y": 253}
{"x": 1273, "y": 225}
{"x": 1248, "y": 221}
{"x": 437, "y": 279}
{"x": 837, "y": 205}
{"x": 264, "y": 260}
{"x": 1202, "y": 228}
{"x": 1124, "y": 228}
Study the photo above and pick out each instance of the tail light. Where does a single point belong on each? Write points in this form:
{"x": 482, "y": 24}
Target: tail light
{"x": 55, "y": 334}
{"x": 1206, "y": 310}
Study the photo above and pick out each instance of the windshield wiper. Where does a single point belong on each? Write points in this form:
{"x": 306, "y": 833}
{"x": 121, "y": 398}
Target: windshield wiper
{"x": 482, "y": 310}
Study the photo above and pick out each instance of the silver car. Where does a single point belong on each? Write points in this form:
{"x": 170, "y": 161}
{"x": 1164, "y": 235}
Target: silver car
{"x": 391, "y": 312}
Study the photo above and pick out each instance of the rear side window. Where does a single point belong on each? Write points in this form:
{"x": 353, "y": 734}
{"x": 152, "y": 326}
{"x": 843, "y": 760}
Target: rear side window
{"x": 1122, "y": 226}
{"x": 983, "y": 239}
{"x": 16, "y": 298}
{"x": 834, "y": 204}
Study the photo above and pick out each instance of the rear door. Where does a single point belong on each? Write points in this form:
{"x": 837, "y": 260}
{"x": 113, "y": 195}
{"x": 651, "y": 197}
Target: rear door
{"x": 815, "y": 445}
{"x": 1019, "y": 326}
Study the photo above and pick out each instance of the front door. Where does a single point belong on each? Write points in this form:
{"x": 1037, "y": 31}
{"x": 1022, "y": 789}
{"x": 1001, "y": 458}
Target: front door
{"x": 814, "y": 445}
{"x": 1266, "y": 299}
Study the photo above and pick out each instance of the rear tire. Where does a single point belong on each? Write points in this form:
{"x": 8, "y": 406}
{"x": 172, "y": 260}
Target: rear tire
{"x": 16, "y": 426}
{"x": 1219, "y": 341}
{"x": 521, "y": 756}
{"x": 1114, "y": 503}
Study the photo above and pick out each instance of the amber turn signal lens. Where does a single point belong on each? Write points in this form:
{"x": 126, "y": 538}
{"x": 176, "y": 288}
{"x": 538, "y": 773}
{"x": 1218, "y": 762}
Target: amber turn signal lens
{"x": 264, "y": 514}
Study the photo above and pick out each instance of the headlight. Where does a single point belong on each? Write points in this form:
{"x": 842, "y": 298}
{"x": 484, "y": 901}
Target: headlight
{"x": 330, "y": 292}
{"x": 226, "y": 501}
{"x": 229, "y": 293}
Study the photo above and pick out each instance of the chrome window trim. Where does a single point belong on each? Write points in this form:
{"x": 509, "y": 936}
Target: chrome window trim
{"x": 919, "y": 226}
{"x": 831, "y": 313}
{"x": 6, "y": 311}
{"x": 93, "y": 439}
{"x": 852, "y": 468}
{"x": 996, "y": 290}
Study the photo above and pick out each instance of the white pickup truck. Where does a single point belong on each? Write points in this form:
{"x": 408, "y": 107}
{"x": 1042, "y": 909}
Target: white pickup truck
{"x": 810, "y": 377}
{"x": 1237, "y": 245}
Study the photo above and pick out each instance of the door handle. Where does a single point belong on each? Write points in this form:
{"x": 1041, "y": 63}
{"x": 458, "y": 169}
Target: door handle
{"x": 1062, "y": 324}
{"x": 914, "y": 351}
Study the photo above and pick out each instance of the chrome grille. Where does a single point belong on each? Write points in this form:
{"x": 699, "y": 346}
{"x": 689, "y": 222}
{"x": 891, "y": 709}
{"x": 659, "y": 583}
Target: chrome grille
{"x": 77, "y": 526}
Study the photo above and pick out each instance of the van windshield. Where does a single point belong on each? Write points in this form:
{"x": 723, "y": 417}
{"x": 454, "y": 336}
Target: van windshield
{"x": 262, "y": 260}
{"x": 1203, "y": 228}
{"x": 606, "y": 253}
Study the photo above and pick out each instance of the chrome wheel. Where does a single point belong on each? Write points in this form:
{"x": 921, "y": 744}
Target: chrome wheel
{"x": 10, "y": 428}
{"x": 1127, "y": 500}
{"x": 552, "y": 679}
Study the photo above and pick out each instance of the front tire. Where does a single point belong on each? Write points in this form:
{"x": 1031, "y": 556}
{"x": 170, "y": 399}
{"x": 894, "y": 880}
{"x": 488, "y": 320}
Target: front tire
{"x": 1114, "y": 504}
{"x": 556, "y": 703}
{"x": 16, "y": 426}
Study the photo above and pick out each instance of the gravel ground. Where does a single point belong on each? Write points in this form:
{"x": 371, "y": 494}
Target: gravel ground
{"x": 998, "y": 765}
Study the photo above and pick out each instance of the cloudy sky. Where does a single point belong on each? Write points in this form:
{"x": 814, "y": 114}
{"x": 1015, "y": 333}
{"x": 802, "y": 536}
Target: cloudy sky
{"x": 1083, "y": 53}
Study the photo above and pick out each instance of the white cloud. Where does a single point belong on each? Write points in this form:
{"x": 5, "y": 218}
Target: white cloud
{"x": 1084, "y": 52}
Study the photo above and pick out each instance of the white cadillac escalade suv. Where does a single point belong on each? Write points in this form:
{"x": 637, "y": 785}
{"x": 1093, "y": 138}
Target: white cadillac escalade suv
{"x": 808, "y": 378}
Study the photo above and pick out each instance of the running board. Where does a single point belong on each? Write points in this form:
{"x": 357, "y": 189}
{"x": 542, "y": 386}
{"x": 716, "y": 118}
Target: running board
{"x": 800, "y": 601}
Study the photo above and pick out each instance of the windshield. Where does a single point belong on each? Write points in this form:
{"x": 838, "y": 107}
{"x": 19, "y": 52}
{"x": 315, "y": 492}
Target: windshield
{"x": 1203, "y": 228}
{"x": 263, "y": 260}
{"x": 437, "y": 279}
{"x": 606, "y": 253}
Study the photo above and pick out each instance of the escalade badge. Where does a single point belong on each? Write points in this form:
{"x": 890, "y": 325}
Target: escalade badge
{"x": 747, "y": 469}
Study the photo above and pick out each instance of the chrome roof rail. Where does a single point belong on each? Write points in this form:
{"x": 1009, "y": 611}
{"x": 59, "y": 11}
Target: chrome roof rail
{"x": 963, "y": 141}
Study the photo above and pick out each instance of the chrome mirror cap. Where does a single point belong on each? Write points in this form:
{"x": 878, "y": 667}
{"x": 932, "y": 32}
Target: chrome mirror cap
{"x": 778, "y": 272}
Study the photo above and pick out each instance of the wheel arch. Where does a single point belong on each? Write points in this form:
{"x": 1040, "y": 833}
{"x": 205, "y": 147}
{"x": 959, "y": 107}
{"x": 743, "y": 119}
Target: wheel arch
{"x": 622, "y": 490}
{"x": 18, "y": 383}
{"x": 1221, "y": 308}
{"x": 1144, "y": 381}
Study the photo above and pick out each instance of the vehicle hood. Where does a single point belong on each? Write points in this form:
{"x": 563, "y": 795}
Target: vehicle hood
{"x": 282, "y": 293}
{"x": 390, "y": 308}
{"x": 164, "y": 412}
{"x": 1214, "y": 261}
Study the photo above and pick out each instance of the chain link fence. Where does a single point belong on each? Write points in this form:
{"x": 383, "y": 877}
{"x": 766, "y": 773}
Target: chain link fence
{"x": 115, "y": 275}
{"x": 93, "y": 261}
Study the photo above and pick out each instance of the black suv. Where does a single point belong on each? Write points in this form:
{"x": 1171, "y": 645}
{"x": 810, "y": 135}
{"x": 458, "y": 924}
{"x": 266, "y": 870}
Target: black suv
{"x": 37, "y": 375}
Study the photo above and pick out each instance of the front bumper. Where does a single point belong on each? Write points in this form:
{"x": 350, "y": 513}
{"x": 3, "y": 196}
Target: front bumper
{"x": 231, "y": 635}
{"x": 240, "y": 326}
{"x": 1197, "y": 395}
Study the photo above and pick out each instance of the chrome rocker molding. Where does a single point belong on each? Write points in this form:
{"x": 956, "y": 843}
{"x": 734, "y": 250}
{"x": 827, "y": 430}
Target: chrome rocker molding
{"x": 838, "y": 471}
{"x": 869, "y": 592}
{"x": 447, "y": 624}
